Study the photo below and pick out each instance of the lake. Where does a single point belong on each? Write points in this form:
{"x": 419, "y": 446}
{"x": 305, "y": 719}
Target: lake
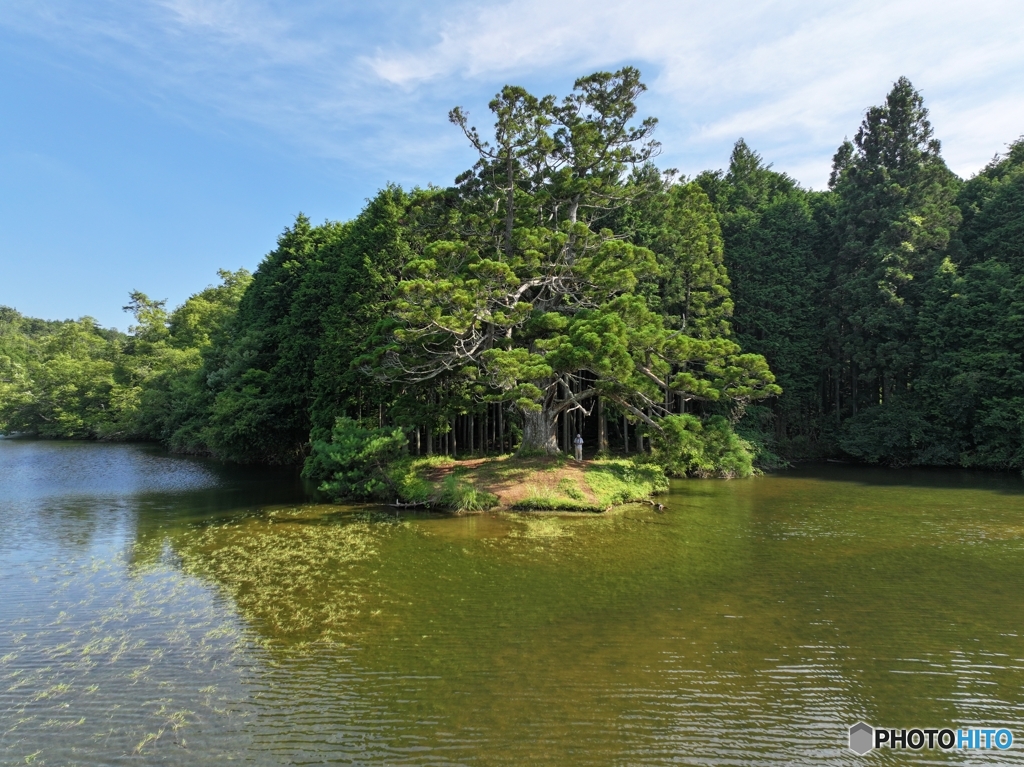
{"x": 166, "y": 610}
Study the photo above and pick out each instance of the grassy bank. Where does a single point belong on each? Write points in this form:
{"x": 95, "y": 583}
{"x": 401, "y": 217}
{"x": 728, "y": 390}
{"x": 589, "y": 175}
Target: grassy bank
{"x": 535, "y": 483}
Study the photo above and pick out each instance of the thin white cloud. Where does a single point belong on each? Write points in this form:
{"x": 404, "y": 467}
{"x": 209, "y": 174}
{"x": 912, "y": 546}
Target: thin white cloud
{"x": 972, "y": 135}
{"x": 370, "y": 87}
{"x": 793, "y": 76}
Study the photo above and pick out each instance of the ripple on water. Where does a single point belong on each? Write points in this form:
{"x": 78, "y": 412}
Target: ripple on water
{"x": 169, "y": 618}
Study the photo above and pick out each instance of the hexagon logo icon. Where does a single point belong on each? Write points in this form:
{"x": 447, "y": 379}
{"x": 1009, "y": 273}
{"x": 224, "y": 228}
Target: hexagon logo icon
{"x": 861, "y": 738}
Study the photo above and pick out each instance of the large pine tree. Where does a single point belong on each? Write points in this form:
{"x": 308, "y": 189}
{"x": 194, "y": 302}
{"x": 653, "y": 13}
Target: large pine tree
{"x": 533, "y": 294}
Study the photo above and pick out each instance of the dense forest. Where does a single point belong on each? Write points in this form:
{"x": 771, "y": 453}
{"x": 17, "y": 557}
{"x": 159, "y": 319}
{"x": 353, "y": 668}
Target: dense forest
{"x": 565, "y": 284}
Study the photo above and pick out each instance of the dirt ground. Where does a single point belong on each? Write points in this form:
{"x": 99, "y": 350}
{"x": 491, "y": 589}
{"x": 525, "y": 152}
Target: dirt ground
{"x": 514, "y": 480}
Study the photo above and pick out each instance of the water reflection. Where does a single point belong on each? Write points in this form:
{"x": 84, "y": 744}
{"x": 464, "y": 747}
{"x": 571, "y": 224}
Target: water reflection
{"x": 216, "y": 614}
{"x": 31, "y": 469}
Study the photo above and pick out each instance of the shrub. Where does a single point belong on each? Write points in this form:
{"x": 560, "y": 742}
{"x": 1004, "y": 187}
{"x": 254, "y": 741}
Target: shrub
{"x": 690, "y": 447}
{"x": 357, "y": 461}
{"x": 619, "y": 480}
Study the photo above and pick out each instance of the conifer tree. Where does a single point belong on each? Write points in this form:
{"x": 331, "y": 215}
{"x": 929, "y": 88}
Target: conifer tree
{"x": 695, "y": 284}
{"x": 776, "y": 259}
{"x": 896, "y": 213}
{"x": 972, "y": 377}
{"x": 262, "y": 378}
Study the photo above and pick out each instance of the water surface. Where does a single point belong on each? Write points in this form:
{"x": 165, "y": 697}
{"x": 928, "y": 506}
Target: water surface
{"x": 171, "y": 610}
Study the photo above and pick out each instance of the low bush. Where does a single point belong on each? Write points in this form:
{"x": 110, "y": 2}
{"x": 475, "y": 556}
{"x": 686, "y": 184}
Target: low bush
{"x": 357, "y": 462}
{"x": 691, "y": 447}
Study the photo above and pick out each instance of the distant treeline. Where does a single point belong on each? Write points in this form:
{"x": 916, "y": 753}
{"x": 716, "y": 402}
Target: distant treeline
{"x": 566, "y": 284}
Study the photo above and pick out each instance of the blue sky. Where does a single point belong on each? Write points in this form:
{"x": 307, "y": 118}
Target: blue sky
{"x": 146, "y": 143}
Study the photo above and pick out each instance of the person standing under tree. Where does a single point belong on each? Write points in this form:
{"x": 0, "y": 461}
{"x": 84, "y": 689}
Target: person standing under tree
{"x": 578, "y": 442}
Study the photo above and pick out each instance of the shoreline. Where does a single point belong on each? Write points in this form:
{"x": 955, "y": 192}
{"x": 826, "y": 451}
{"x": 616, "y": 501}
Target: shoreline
{"x": 528, "y": 484}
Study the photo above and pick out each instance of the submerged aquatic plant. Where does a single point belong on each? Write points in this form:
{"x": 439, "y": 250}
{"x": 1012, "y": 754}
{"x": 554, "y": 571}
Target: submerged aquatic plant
{"x": 180, "y": 618}
{"x": 277, "y": 567}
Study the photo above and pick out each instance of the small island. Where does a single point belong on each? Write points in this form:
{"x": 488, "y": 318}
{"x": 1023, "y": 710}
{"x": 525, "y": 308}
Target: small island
{"x": 538, "y": 483}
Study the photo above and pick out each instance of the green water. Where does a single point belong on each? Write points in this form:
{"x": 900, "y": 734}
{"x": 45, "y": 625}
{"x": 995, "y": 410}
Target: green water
{"x": 162, "y": 610}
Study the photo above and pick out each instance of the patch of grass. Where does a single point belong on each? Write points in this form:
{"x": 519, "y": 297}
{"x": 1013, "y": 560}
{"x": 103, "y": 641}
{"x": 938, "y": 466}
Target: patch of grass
{"x": 538, "y": 499}
{"x": 434, "y": 462}
{"x": 412, "y": 485}
{"x": 417, "y": 479}
{"x": 550, "y": 483}
{"x": 567, "y": 486}
{"x": 459, "y": 495}
{"x": 439, "y": 481}
{"x": 620, "y": 480}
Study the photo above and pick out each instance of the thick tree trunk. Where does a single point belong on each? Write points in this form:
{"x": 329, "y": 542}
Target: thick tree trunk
{"x": 539, "y": 432}
{"x": 602, "y": 427}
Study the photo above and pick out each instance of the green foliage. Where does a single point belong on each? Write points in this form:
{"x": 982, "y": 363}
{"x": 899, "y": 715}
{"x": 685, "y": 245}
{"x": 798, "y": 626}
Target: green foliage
{"x": 972, "y": 374}
{"x": 260, "y": 382}
{"x": 777, "y": 253}
{"x": 536, "y": 298}
{"x": 357, "y": 462}
{"x": 894, "y": 433}
{"x": 681, "y": 226}
{"x": 893, "y": 328}
{"x": 75, "y": 380}
{"x": 61, "y": 379}
{"x": 991, "y": 205}
{"x": 173, "y": 401}
{"x": 567, "y": 486}
{"x": 417, "y": 482}
{"x": 410, "y": 477}
{"x": 964, "y": 404}
{"x": 461, "y": 496}
{"x": 618, "y": 480}
{"x": 357, "y": 277}
{"x": 563, "y": 274}
{"x": 896, "y": 213}
{"x": 755, "y": 429}
{"x": 202, "y": 321}
{"x": 690, "y": 447}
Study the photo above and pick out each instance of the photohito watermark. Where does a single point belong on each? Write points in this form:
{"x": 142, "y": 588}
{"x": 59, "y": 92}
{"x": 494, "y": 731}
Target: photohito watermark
{"x": 864, "y": 737}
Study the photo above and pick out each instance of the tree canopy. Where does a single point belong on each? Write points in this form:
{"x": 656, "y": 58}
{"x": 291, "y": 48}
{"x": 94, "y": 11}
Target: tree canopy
{"x": 538, "y": 302}
{"x": 565, "y": 283}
